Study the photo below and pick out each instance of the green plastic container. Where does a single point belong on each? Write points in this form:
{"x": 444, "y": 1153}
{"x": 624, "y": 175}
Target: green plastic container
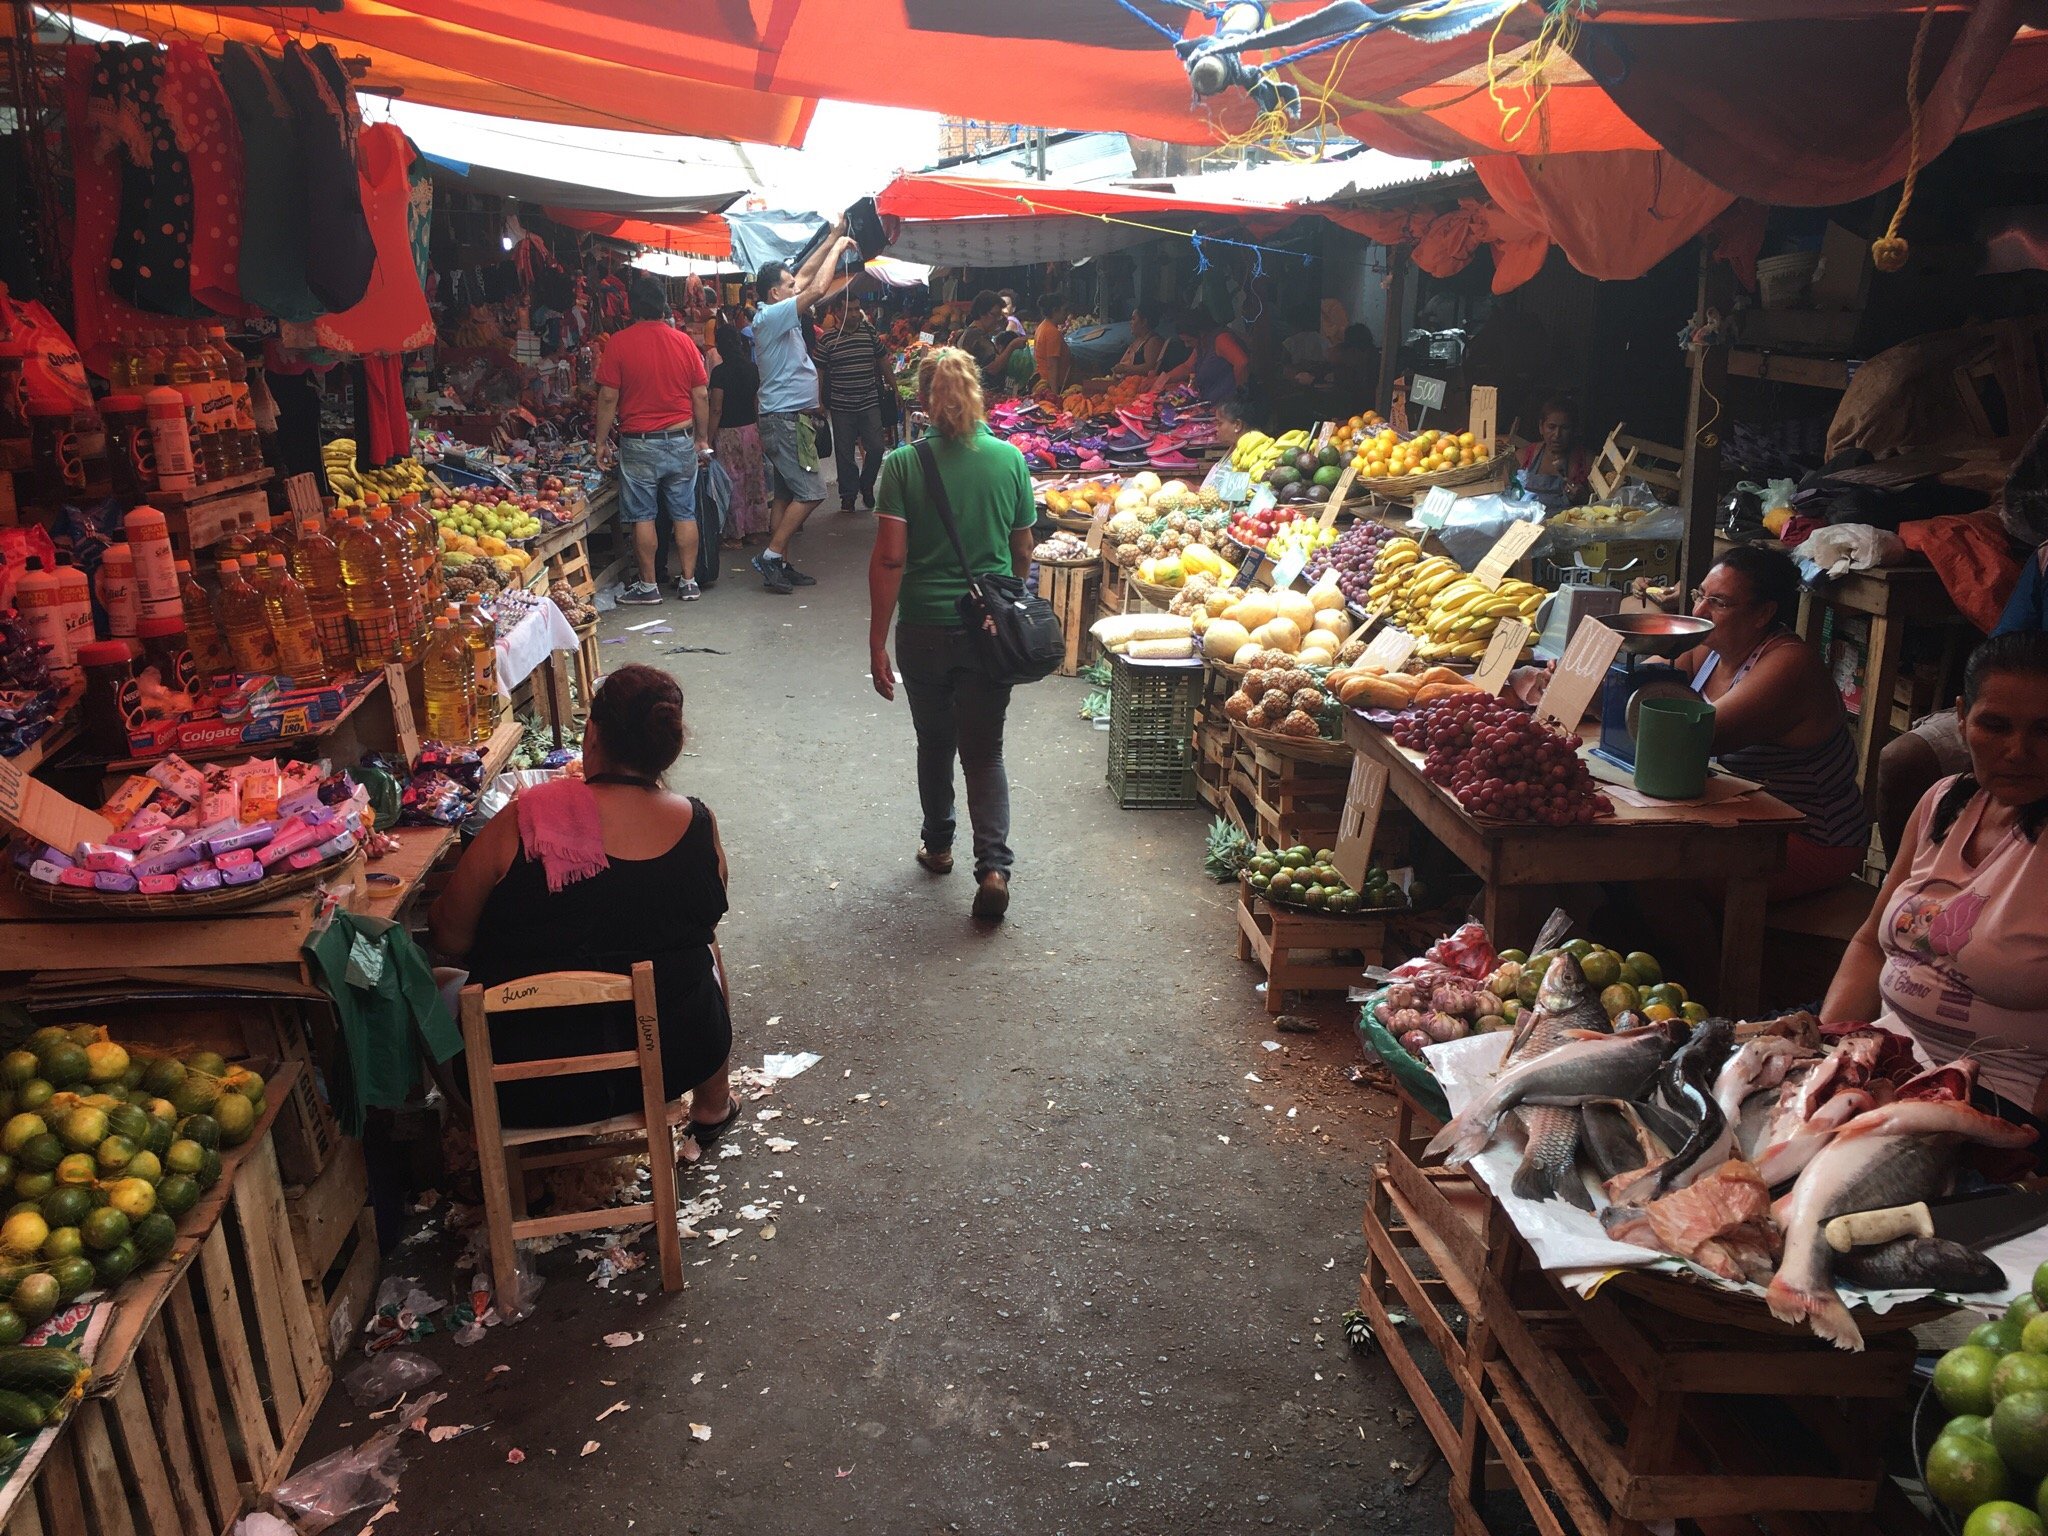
{"x": 1414, "y": 1073}
{"x": 1674, "y": 739}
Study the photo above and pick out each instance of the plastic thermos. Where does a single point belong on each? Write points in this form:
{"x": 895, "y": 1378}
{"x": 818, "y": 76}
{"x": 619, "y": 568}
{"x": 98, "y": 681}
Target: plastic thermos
{"x": 170, "y": 438}
{"x": 117, "y": 591}
{"x": 40, "y": 602}
{"x": 1674, "y": 739}
{"x": 166, "y": 647}
{"x": 156, "y": 568}
{"x": 74, "y": 598}
{"x": 130, "y": 454}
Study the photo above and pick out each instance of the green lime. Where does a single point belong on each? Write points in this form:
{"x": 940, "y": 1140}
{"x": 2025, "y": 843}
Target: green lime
{"x": 12, "y": 1329}
{"x": 133, "y": 1198}
{"x": 1619, "y": 999}
{"x": 128, "y": 1120}
{"x": 2023, "y": 1307}
{"x": 49, "y": 1035}
{"x": 83, "y": 1128}
{"x": 2034, "y": 1335}
{"x": 79, "y": 1170}
{"x": 63, "y": 1243}
{"x": 1964, "y": 1472}
{"x": 131, "y": 1080}
{"x": 31, "y": 1187}
{"x": 1974, "y": 1425}
{"x": 1519, "y": 956}
{"x": 83, "y": 1035}
{"x": 66, "y": 1207}
{"x": 161, "y": 1134}
{"x": 209, "y": 1171}
{"x": 185, "y": 1156}
{"x": 2040, "y": 1284}
{"x": 154, "y": 1235}
{"x": 1962, "y": 1379}
{"x": 178, "y": 1193}
{"x": 250, "y": 1084}
{"x": 74, "y": 1276}
{"x": 19, "y": 1131}
{"x": 114, "y": 1153}
{"x": 116, "y": 1263}
{"x": 104, "y": 1228}
{"x": 105, "y": 1062}
{"x": 1578, "y": 949}
{"x": 41, "y": 1154}
{"x": 162, "y": 1076}
{"x": 36, "y": 1297}
{"x": 2019, "y": 1372}
{"x": 1669, "y": 993}
{"x": 196, "y": 1095}
{"x": 22, "y": 1234}
{"x": 2019, "y": 1428}
{"x": 207, "y": 1063}
{"x": 146, "y": 1166}
{"x": 64, "y": 1065}
{"x": 17, "y": 1067}
{"x": 1601, "y": 968}
{"x": 2002, "y": 1517}
{"x": 236, "y": 1116}
{"x": 34, "y": 1094}
{"x": 7, "y": 1169}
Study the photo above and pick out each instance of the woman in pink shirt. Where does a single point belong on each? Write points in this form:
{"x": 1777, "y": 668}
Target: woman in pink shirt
{"x": 1955, "y": 951}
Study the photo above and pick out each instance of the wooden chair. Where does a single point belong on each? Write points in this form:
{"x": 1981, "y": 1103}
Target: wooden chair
{"x": 501, "y": 1158}
{"x": 1623, "y": 458}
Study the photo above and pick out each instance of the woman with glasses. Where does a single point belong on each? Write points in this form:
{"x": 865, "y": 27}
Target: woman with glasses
{"x": 1778, "y": 717}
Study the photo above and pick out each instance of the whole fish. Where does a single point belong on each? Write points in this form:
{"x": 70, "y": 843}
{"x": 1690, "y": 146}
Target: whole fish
{"x": 1550, "y": 1164}
{"x": 1587, "y": 1066}
{"x": 1908, "y": 1263}
{"x": 1684, "y": 1082}
{"x": 1889, "y": 1156}
{"x": 1617, "y": 1140}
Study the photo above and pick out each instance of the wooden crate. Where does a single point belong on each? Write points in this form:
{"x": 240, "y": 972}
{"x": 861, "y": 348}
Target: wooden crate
{"x": 1612, "y": 1414}
{"x": 1113, "y": 593}
{"x": 340, "y": 1299}
{"x": 1304, "y": 953}
{"x": 588, "y": 668}
{"x": 1071, "y": 591}
{"x": 323, "y": 1213}
{"x": 1291, "y": 801}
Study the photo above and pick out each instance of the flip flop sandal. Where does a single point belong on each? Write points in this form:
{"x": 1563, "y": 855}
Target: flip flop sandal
{"x": 706, "y": 1132}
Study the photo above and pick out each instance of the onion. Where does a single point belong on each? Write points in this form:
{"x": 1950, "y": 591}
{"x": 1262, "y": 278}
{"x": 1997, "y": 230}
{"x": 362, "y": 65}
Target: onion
{"x": 1414, "y": 1041}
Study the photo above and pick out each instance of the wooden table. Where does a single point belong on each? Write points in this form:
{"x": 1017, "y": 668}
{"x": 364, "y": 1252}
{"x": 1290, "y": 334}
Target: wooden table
{"x": 1525, "y": 867}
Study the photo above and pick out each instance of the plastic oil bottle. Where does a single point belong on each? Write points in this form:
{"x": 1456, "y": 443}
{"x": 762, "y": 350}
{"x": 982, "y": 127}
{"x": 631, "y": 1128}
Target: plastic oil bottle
{"x": 397, "y": 567}
{"x": 480, "y": 636}
{"x": 246, "y": 623}
{"x": 203, "y": 638}
{"x": 293, "y": 628}
{"x": 371, "y": 604}
{"x": 315, "y": 562}
{"x": 235, "y": 367}
{"x": 445, "y": 680}
{"x": 186, "y": 369}
{"x": 426, "y": 548}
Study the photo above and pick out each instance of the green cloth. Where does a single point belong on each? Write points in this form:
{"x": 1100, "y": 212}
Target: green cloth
{"x": 384, "y": 991}
{"x": 989, "y": 487}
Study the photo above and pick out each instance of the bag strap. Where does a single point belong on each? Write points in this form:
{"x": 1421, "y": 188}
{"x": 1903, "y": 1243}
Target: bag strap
{"x": 935, "y": 492}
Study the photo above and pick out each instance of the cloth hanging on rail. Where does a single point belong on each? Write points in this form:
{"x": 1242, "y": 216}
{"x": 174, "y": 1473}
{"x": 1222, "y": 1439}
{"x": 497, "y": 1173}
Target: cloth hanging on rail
{"x": 274, "y": 191}
{"x": 150, "y": 265}
{"x": 392, "y": 315}
{"x": 204, "y": 124}
{"x": 340, "y": 254}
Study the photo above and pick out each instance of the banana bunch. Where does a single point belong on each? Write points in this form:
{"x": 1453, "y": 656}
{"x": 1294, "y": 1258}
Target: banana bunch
{"x": 351, "y": 485}
{"x": 408, "y": 477}
{"x": 1404, "y": 582}
{"x": 1257, "y": 452}
{"x": 338, "y": 458}
{"x": 1463, "y": 613}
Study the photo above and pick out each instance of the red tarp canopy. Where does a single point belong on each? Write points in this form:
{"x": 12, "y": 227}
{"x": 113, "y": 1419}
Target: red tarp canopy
{"x": 706, "y": 235}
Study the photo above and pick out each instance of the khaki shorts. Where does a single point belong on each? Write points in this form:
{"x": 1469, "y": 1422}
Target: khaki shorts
{"x": 786, "y": 442}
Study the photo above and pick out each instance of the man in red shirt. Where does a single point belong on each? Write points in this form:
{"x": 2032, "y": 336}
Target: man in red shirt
{"x": 652, "y": 379}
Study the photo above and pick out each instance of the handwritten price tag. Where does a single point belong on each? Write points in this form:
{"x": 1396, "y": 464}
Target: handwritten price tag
{"x": 1513, "y": 543}
{"x": 1337, "y": 494}
{"x": 1390, "y": 650}
{"x": 1434, "y": 510}
{"x": 1509, "y": 636}
{"x": 1580, "y": 673}
{"x": 1360, "y": 821}
{"x": 1289, "y": 570}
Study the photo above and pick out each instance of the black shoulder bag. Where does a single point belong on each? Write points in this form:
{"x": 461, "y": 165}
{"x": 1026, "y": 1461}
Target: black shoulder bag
{"x": 1015, "y": 632}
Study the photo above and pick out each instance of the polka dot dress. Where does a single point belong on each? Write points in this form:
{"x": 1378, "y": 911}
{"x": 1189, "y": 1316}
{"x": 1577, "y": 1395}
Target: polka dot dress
{"x": 151, "y": 262}
{"x": 206, "y": 132}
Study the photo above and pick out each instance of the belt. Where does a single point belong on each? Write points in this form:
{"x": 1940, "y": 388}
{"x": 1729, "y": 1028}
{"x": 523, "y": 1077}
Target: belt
{"x": 682, "y": 431}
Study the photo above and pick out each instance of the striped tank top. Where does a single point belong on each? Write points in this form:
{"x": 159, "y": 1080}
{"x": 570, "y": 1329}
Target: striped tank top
{"x": 1818, "y": 781}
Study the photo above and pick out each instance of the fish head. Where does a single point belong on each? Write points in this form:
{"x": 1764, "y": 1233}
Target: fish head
{"x": 1564, "y": 985}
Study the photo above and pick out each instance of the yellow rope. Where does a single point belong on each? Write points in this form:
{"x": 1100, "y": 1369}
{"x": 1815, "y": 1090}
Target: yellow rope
{"x": 1889, "y": 250}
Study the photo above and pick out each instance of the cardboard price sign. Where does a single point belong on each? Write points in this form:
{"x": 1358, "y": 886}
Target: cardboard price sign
{"x": 1289, "y": 570}
{"x": 1581, "y": 671}
{"x": 1509, "y": 636}
{"x": 1434, "y": 510}
{"x": 1484, "y": 423}
{"x": 1390, "y": 650}
{"x": 1425, "y": 391}
{"x": 401, "y": 712}
{"x": 1248, "y": 569}
{"x": 1095, "y": 526}
{"x": 1360, "y": 821}
{"x": 1337, "y": 494}
{"x": 44, "y": 814}
{"x": 1515, "y": 542}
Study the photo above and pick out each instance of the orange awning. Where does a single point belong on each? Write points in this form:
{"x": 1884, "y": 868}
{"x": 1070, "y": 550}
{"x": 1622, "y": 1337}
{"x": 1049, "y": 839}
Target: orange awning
{"x": 490, "y": 69}
{"x": 706, "y": 235}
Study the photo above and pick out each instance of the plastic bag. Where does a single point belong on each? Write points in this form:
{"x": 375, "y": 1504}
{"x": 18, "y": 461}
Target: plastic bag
{"x": 498, "y": 794}
{"x": 389, "y": 1375}
{"x": 52, "y": 372}
{"x": 1475, "y": 523}
{"x": 1412, "y": 1072}
{"x": 340, "y": 1484}
{"x": 1845, "y": 547}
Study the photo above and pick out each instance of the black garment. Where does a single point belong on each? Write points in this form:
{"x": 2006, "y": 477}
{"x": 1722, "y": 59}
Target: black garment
{"x": 740, "y": 405}
{"x": 150, "y": 265}
{"x": 665, "y": 909}
{"x": 274, "y": 215}
{"x": 340, "y": 254}
{"x": 298, "y": 425}
{"x": 1174, "y": 353}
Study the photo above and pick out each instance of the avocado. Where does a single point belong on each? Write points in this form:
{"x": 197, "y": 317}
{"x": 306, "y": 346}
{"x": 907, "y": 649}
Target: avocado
{"x": 1327, "y": 475}
{"x": 1305, "y": 461}
{"x": 1280, "y": 476}
{"x": 1330, "y": 457}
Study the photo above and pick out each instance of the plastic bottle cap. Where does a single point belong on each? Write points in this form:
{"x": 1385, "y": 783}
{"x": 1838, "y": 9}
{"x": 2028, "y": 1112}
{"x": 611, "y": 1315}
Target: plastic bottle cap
{"x": 278, "y": 561}
{"x": 441, "y": 622}
{"x": 100, "y": 653}
{"x": 157, "y": 629}
{"x": 182, "y": 567}
{"x": 120, "y": 402}
{"x": 231, "y": 564}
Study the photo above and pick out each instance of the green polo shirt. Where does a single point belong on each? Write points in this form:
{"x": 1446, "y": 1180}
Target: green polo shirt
{"x": 989, "y": 487}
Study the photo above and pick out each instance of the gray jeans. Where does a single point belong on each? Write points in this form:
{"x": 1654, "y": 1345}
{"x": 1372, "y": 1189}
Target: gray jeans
{"x": 862, "y": 429}
{"x": 957, "y": 711}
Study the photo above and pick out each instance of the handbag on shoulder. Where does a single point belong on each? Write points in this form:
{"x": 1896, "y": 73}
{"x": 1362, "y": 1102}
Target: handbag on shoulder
{"x": 1015, "y": 632}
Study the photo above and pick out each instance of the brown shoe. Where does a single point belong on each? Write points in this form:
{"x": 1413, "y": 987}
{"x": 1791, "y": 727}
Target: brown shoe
{"x": 940, "y": 863}
{"x": 992, "y": 899}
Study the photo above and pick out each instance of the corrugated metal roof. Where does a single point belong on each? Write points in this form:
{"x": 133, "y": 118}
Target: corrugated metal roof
{"x": 1321, "y": 181}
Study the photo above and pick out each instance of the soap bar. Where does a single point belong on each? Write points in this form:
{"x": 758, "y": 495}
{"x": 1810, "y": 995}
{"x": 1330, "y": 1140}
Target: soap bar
{"x": 336, "y": 846}
{"x": 291, "y": 837}
{"x": 77, "y": 877}
{"x": 102, "y": 859}
{"x": 201, "y": 877}
{"x": 118, "y": 881}
{"x": 178, "y": 776}
{"x": 58, "y": 857}
{"x": 157, "y": 885}
{"x": 132, "y": 837}
{"x": 307, "y": 858}
{"x": 234, "y": 857}
{"x": 248, "y": 837}
{"x": 45, "y": 871}
{"x": 242, "y": 874}
{"x": 132, "y": 795}
{"x": 169, "y": 861}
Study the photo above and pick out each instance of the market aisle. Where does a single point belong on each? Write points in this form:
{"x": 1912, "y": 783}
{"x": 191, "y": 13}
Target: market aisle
{"x": 1055, "y": 1268}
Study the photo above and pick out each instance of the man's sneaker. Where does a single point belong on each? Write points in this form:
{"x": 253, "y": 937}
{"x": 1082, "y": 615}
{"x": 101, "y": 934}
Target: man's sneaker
{"x": 688, "y": 591}
{"x": 641, "y": 592}
{"x": 774, "y": 574}
{"x": 797, "y": 577}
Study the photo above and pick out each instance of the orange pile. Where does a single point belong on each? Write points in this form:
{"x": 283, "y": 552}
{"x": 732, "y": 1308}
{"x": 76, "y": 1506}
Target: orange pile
{"x": 1383, "y": 455}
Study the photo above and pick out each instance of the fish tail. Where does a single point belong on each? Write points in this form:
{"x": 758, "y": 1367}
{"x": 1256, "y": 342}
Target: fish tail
{"x": 1820, "y": 1309}
{"x": 1463, "y": 1139}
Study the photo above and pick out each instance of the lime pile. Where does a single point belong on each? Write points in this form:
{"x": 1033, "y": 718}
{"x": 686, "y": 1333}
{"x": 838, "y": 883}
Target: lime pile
{"x": 1990, "y": 1462}
{"x": 1631, "y": 983}
{"x": 104, "y": 1152}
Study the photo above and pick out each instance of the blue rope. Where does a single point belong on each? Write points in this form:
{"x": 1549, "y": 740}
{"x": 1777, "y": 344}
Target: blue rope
{"x": 1156, "y": 25}
{"x": 1201, "y": 261}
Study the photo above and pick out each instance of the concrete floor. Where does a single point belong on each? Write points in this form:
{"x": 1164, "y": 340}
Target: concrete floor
{"x": 1047, "y": 1259}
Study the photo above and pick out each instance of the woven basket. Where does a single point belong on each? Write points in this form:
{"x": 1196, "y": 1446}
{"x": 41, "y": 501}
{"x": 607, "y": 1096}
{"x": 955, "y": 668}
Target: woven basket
{"x": 1493, "y": 472}
{"x": 1160, "y": 597}
{"x": 1306, "y": 749}
{"x": 1069, "y": 522}
{"x": 233, "y": 898}
{"x": 1068, "y": 564}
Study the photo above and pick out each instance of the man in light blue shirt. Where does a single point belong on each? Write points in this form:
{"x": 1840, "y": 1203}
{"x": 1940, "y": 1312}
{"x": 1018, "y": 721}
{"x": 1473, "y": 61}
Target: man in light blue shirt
{"x": 789, "y": 393}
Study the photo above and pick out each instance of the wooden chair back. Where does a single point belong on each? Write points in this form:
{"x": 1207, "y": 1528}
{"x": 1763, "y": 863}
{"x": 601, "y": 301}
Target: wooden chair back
{"x": 1623, "y": 458}
{"x": 501, "y": 1159}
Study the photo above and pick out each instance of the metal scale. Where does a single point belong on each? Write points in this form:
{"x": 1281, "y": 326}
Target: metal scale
{"x": 1640, "y": 671}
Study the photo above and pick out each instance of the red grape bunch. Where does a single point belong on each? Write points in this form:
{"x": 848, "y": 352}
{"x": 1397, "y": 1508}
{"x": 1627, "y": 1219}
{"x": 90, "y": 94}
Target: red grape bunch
{"x": 1500, "y": 762}
{"x": 1352, "y": 557}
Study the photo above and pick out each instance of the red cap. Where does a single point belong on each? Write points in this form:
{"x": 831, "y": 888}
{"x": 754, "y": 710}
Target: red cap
{"x": 101, "y": 653}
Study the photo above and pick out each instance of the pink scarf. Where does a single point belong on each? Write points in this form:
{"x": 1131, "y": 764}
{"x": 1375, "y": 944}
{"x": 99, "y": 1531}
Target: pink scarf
{"x": 559, "y": 826}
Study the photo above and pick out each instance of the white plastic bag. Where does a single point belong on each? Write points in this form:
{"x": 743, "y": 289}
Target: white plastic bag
{"x": 1845, "y": 547}
{"x": 340, "y": 1484}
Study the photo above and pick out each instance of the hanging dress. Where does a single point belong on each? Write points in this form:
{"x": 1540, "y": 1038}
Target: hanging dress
{"x": 392, "y": 316}
{"x": 339, "y": 252}
{"x": 150, "y": 265}
{"x": 211, "y": 141}
{"x": 274, "y": 196}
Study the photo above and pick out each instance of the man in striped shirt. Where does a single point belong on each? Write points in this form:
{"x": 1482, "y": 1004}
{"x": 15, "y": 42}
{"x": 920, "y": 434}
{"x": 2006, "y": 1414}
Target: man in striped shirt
{"x": 851, "y": 358}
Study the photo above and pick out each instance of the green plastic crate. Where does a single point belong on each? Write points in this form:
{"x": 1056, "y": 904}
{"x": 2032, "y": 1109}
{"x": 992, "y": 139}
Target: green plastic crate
{"x": 1151, "y": 734}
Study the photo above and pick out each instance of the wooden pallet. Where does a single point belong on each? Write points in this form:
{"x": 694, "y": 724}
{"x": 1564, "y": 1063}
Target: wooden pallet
{"x": 1071, "y": 590}
{"x": 1304, "y": 953}
{"x": 1611, "y": 1414}
{"x": 323, "y": 1214}
{"x": 1113, "y": 593}
{"x": 340, "y": 1299}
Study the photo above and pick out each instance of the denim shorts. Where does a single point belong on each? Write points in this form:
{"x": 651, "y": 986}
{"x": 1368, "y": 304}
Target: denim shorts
{"x": 782, "y": 448}
{"x": 657, "y": 473}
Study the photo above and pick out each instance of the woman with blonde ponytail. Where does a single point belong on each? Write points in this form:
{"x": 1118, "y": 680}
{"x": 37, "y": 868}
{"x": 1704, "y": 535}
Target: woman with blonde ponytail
{"x": 955, "y": 708}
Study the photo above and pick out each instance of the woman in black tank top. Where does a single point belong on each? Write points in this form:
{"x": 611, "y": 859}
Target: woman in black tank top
{"x": 662, "y": 907}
